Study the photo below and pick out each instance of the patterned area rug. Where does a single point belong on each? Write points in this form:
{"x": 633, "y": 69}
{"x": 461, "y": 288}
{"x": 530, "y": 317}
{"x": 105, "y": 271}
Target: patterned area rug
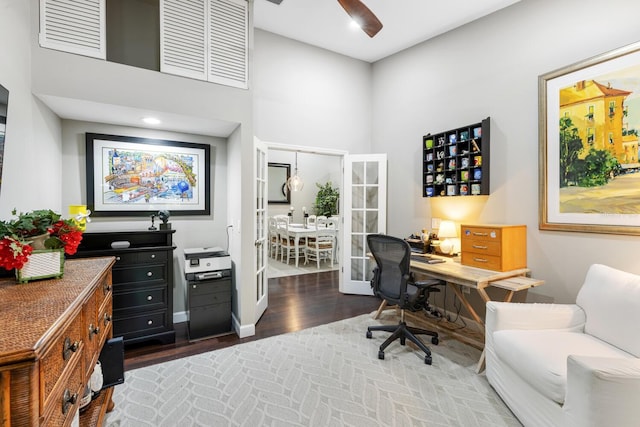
{"x": 329, "y": 375}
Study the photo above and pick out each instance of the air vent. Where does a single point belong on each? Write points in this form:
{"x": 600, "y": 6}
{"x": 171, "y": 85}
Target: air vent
{"x": 228, "y": 48}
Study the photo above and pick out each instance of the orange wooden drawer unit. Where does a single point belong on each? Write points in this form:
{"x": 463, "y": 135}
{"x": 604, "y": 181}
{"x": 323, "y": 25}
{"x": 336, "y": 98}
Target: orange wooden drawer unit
{"x": 494, "y": 247}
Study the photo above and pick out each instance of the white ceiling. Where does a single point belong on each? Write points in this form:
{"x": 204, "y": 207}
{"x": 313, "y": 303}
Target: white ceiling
{"x": 321, "y": 23}
{"x": 324, "y": 23}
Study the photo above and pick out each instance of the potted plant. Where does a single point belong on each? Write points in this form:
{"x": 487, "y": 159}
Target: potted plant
{"x": 34, "y": 232}
{"x": 327, "y": 200}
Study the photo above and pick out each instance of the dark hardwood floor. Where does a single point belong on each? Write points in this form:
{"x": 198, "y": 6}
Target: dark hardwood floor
{"x": 295, "y": 303}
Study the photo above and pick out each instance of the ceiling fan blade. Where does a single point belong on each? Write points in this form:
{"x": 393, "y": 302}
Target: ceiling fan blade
{"x": 360, "y": 13}
{"x": 275, "y": 1}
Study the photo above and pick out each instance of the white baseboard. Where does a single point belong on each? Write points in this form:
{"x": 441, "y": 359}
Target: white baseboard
{"x": 243, "y": 331}
{"x": 180, "y": 317}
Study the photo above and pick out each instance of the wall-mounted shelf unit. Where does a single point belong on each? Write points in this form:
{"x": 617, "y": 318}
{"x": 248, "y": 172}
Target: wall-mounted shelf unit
{"x": 456, "y": 162}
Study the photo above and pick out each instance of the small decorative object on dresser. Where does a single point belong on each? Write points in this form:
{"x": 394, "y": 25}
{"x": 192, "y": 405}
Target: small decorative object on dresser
{"x": 34, "y": 244}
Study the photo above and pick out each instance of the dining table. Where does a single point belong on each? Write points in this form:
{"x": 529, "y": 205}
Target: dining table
{"x": 298, "y": 231}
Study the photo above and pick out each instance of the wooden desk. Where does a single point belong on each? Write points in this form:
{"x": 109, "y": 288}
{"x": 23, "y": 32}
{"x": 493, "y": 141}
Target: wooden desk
{"x": 457, "y": 276}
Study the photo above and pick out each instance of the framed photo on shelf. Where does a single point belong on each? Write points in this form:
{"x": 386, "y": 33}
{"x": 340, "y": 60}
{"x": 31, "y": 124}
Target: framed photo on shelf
{"x": 130, "y": 176}
{"x": 589, "y": 120}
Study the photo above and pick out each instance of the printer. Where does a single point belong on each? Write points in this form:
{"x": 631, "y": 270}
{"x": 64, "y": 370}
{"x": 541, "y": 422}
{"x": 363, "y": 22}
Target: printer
{"x": 198, "y": 261}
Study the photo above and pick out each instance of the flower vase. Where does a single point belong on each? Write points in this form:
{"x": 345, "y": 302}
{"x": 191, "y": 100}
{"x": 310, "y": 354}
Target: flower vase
{"x": 37, "y": 242}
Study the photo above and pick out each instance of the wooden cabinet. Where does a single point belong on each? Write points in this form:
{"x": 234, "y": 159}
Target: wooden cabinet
{"x": 456, "y": 162}
{"x": 51, "y": 336}
{"x": 142, "y": 281}
{"x": 494, "y": 247}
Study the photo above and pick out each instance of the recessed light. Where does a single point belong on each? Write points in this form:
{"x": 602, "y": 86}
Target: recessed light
{"x": 151, "y": 120}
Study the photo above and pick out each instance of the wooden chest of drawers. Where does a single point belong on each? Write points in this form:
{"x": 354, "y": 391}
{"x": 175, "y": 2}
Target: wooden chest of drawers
{"x": 142, "y": 282}
{"x": 51, "y": 337}
{"x": 494, "y": 247}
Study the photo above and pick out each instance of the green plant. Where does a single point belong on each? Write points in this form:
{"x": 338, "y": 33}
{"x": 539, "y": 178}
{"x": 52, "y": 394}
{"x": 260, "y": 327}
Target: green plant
{"x": 326, "y": 200}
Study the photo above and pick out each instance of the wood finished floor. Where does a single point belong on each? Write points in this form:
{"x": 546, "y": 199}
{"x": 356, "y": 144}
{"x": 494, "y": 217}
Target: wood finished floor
{"x": 295, "y": 303}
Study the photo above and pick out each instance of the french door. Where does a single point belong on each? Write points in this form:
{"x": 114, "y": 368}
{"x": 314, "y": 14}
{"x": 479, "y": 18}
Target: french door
{"x": 365, "y": 212}
{"x": 260, "y": 191}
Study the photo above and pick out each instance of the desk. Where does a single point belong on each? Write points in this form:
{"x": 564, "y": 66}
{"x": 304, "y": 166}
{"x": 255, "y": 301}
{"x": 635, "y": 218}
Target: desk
{"x": 298, "y": 230}
{"x": 457, "y": 276}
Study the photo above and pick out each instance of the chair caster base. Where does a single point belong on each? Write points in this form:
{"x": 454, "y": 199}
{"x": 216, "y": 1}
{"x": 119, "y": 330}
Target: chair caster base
{"x": 369, "y": 334}
{"x": 427, "y": 360}
{"x": 435, "y": 340}
{"x": 381, "y": 355}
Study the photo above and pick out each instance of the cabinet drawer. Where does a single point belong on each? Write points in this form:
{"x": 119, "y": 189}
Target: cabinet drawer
{"x": 145, "y": 299}
{"x": 141, "y": 273}
{"x": 127, "y": 258}
{"x": 482, "y": 247}
{"x": 64, "y": 402}
{"x": 136, "y": 326}
{"x": 60, "y": 356}
{"x": 152, "y": 256}
{"x": 481, "y": 233}
{"x": 486, "y": 262}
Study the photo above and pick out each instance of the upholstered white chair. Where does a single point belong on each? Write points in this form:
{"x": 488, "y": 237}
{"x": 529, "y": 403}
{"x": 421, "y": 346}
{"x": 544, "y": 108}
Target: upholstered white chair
{"x": 570, "y": 365}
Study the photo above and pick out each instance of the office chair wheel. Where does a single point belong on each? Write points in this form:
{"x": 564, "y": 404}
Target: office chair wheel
{"x": 427, "y": 360}
{"x": 369, "y": 334}
{"x": 403, "y": 340}
{"x": 435, "y": 340}
{"x": 381, "y": 355}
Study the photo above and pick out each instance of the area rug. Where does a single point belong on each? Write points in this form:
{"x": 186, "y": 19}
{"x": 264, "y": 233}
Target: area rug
{"x": 276, "y": 268}
{"x": 329, "y": 375}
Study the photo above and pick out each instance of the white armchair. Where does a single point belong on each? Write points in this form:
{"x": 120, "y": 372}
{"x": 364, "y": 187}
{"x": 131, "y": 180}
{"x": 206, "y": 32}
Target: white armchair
{"x": 570, "y": 365}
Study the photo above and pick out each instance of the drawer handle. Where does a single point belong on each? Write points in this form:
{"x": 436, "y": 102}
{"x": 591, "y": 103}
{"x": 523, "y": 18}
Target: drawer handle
{"x": 117, "y": 258}
{"x": 476, "y": 233}
{"x": 149, "y": 274}
{"x": 68, "y": 400}
{"x": 69, "y": 348}
{"x": 107, "y": 319}
{"x": 93, "y": 330}
{"x": 149, "y": 322}
{"x": 480, "y": 260}
{"x": 480, "y": 247}
{"x": 153, "y": 256}
{"x": 149, "y": 298}
{"x": 106, "y": 288}
{"x": 194, "y": 286}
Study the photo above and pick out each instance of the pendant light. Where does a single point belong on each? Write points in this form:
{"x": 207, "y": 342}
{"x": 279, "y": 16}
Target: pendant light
{"x": 295, "y": 182}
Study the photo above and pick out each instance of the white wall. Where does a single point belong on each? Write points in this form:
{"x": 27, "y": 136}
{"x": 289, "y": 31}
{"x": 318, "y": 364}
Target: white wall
{"x": 32, "y": 157}
{"x": 490, "y": 68}
{"x": 308, "y": 96}
{"x": 191, "y": 231}
{"x": 312, "y": 168}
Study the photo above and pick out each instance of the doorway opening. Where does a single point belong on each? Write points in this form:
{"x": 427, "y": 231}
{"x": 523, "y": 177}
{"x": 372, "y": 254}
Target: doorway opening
{"x": 316, "y": 167}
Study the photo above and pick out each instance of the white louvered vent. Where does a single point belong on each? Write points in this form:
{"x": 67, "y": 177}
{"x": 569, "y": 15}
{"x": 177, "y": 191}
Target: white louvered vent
{"x": 75, "y": 26}
{"x": 228, "y": 42}
{"x": 183, "y": 38}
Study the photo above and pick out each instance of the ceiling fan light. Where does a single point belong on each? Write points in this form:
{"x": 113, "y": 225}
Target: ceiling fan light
{"x": 360, "y": 13}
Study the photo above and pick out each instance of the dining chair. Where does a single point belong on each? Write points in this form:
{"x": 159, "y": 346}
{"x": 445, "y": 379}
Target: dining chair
{"x": 288, "y": 243}
{"x": 274, "y": 238}
{"x": 320, "y": 245}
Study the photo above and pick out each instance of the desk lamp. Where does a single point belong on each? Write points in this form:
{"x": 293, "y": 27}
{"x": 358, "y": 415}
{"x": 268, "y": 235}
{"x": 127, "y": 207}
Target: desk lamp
{"x": 445, "y": 233}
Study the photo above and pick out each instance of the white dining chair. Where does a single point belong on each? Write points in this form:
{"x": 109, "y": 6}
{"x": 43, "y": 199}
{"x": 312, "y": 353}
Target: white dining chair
{"x": 320, "y": 245}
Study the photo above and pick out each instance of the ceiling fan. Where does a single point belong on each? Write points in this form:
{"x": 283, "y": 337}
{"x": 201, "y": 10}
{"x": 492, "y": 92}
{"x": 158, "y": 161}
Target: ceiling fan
{"x": 360, "y": 13}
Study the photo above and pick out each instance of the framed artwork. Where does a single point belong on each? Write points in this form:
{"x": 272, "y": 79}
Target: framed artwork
{"x": 128, "y": 176}
{"x": 278, "y": 175}
{"x": 589, "y": 121}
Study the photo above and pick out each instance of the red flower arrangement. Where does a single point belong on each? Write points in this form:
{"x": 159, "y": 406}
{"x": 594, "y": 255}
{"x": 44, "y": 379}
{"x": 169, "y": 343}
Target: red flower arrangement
{"x": 16, "y": 236}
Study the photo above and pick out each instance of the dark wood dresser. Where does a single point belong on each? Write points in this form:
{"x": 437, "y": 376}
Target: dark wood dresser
{"x": 51, "y": 335}
{"x": 142, "y": 281}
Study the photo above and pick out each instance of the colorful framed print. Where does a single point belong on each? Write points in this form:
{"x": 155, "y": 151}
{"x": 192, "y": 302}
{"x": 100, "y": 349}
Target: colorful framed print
{"x": 129, "y": 176}
{"x": 588, "y": 158}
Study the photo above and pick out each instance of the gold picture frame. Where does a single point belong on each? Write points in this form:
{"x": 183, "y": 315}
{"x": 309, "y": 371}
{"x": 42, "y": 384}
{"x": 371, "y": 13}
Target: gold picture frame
{"x": 589, "y": 121}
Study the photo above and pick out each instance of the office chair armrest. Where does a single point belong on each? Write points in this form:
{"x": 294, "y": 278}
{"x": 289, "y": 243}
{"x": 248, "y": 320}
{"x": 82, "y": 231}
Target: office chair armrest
{"x": 429, "y": 284}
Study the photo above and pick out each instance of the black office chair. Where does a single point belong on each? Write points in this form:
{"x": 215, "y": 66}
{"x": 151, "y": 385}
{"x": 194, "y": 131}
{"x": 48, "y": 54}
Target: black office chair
{"x": 394, "y": 282}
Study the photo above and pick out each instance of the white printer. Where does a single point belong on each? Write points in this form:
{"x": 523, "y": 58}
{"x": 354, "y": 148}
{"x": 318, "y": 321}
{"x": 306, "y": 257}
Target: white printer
{"x": 205, "y": 260}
